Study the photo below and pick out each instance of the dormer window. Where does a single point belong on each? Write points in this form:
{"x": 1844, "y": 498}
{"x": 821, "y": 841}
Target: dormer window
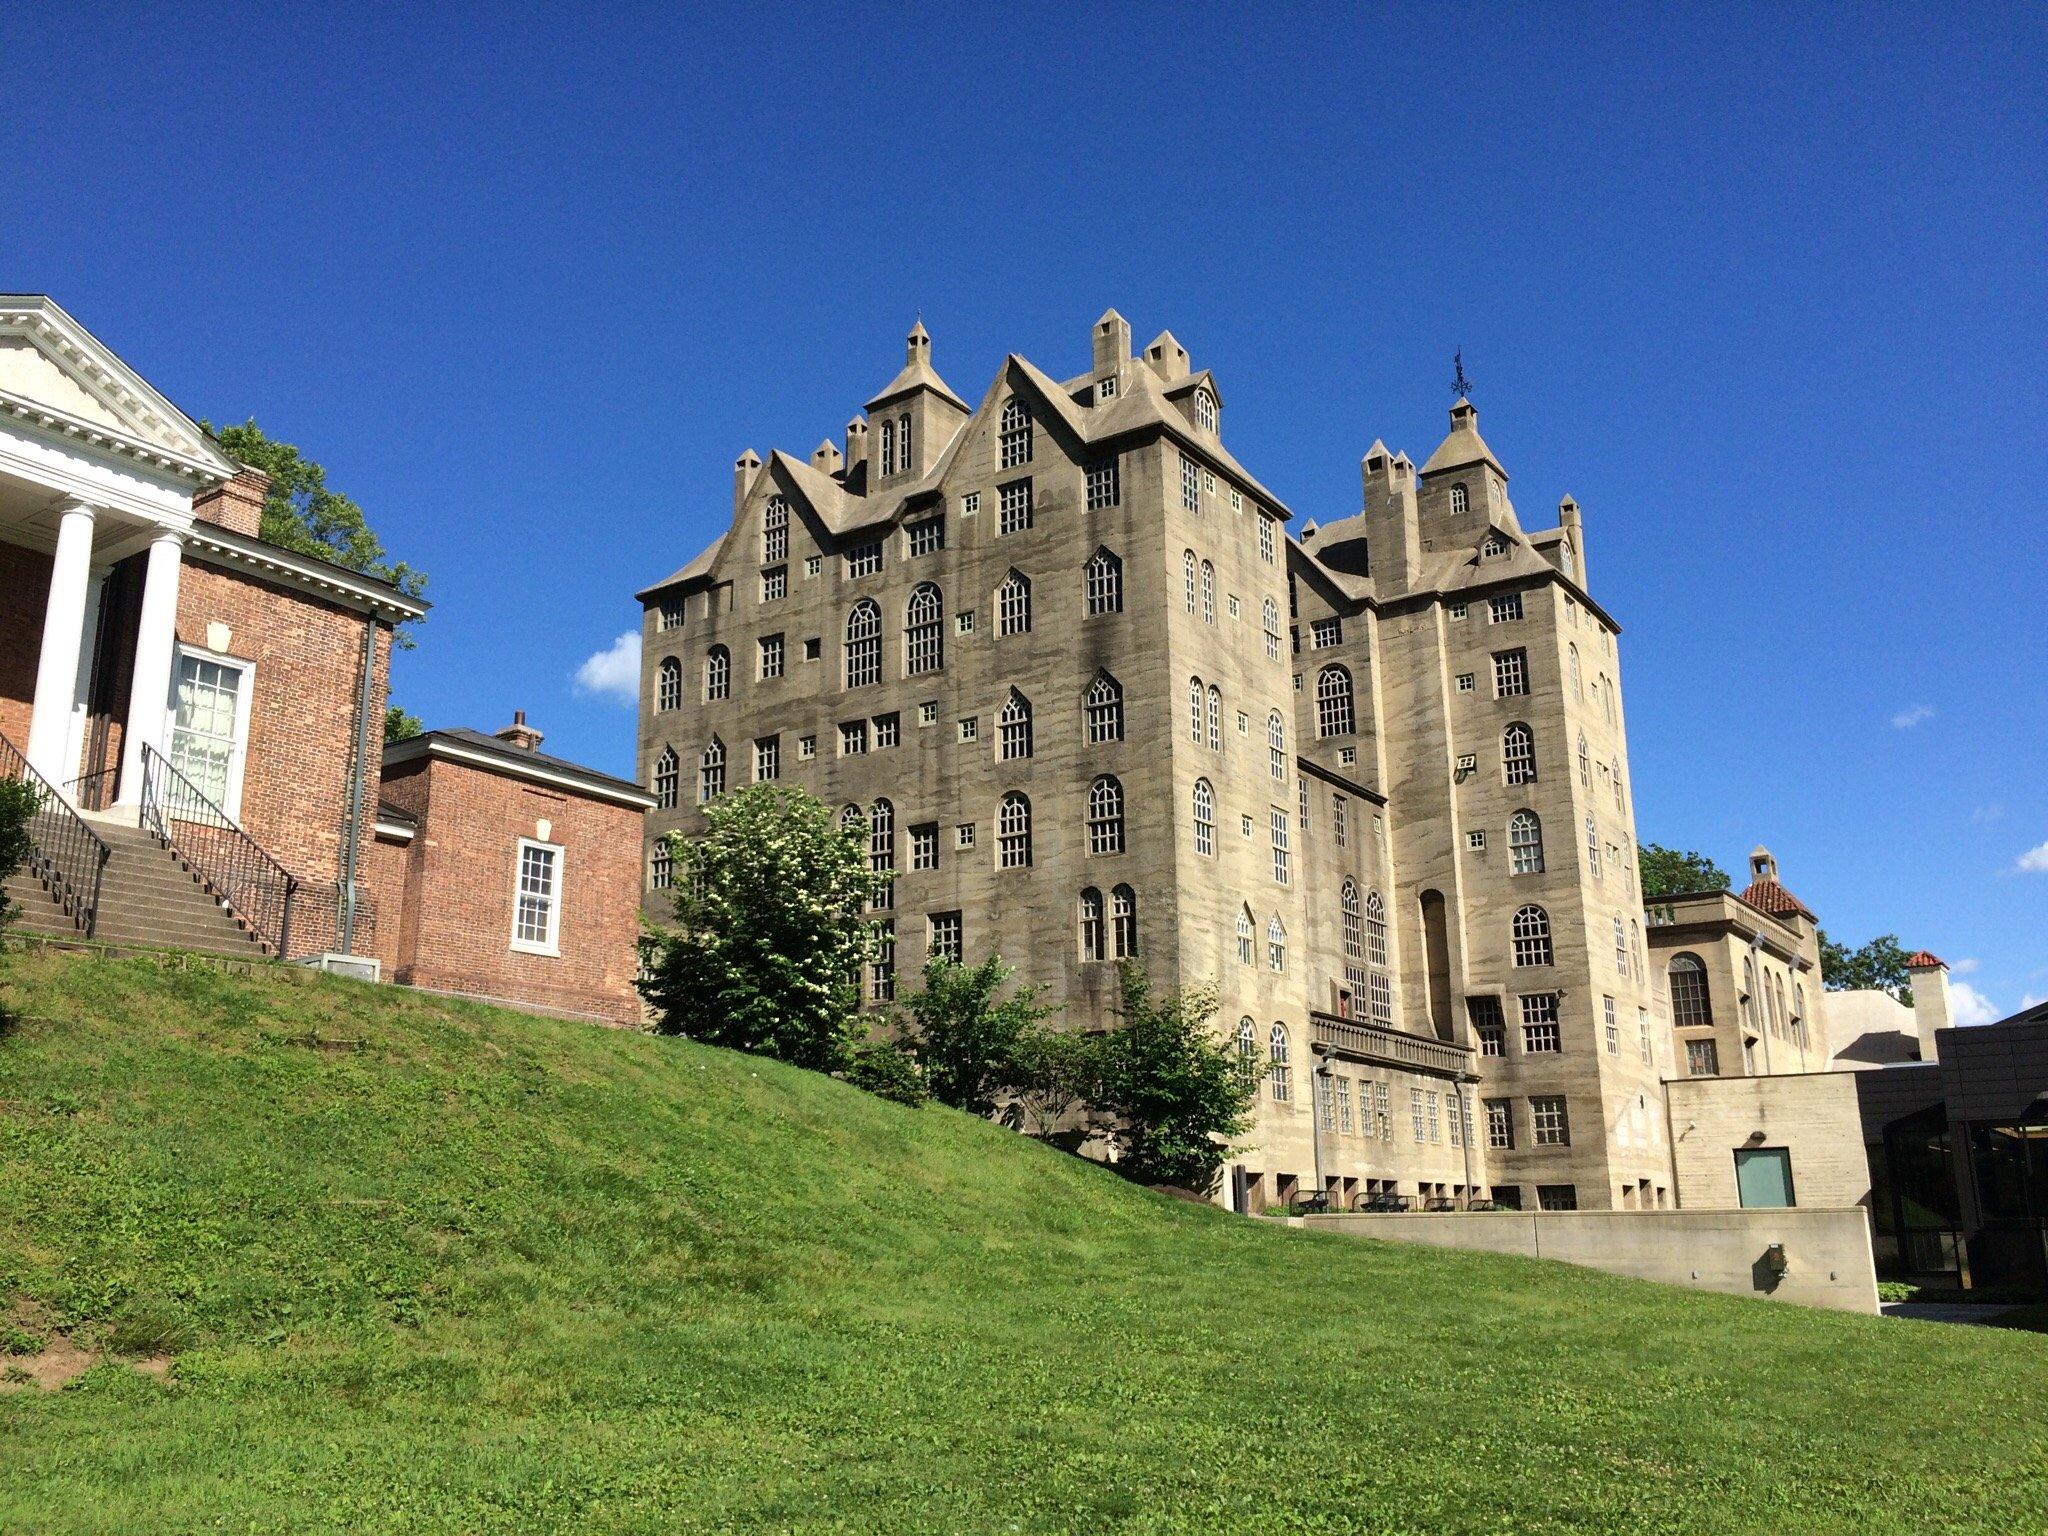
{"x": 1461, "y": 499}
{"x": 1014, "y": 434}
{"x": 775, "y": 531}
{"x": 1494, "y": 546}
{"x": 1105, "y": 388}
{"x": 1205, "y": 410}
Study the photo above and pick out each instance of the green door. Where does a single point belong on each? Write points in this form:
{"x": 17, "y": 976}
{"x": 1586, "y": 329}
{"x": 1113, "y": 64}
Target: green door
{"x": 1763, "y": 1176}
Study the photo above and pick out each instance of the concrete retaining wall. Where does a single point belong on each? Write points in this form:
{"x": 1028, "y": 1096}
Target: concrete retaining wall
{"x": 1827, "y": 1251}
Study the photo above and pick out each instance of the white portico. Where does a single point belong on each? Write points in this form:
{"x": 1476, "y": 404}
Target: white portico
{"x": 95, "y": 467}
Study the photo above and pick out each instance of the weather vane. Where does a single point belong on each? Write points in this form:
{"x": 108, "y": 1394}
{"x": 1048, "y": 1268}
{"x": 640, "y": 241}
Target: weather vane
{"x": 1460, "y": 386}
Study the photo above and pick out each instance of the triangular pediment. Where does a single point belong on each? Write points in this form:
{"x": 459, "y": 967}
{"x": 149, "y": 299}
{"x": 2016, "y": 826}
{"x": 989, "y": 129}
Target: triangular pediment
{"x": 51, "y": 362}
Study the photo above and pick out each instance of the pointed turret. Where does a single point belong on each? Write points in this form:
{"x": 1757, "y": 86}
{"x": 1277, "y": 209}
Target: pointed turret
{"x": 1112, "y": 343}
{"x": 1464, "y": 446}
{"x": 744, "y": 468}
{"x": 825, "y": 457}
{"x": 915, "y": 416}
{"x": 1165, "y": 356}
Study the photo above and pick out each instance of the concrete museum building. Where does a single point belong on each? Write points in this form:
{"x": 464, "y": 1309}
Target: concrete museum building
{"x": 1091, "y": 699}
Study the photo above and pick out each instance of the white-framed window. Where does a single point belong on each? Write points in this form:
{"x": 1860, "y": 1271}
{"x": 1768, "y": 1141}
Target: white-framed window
{"x": 661, "y": 866}
{"x": 1540, "y": 1030}
{"x": 1013, "y": 604}
{"x": 1531, "y": 937}
{"x": 1104, "y": 709}
{"x": 1215, "y": 718}
{"x": 864, "y": 559}
{"x": 923, "y": 631}
{"x": 775, "y": 584}
{"x": 1461, "y": 500}
{"x": 1324, "y": 633}
{"x": 1547, "y": 1119}
{"x": 1500, "y": 1124}
{"x": 1247, "y": 953}
{"x": 1208, "y": 593}
{"x": 667, "y": 779}
{"x": 1340, "y": 820}
{"x": 1013, "y": 727}
{"x": 1269, "y": 616}
{"x": 1525, "y": 844}
{"x": 924, "y": 846}
{"x": 1013, "y": 507}
{"x": 864, "y": 644}
{"x": 1187, "y": 579}
{"x": 775, "y": 531}
{"x": 1334, "y": 712}
{"x": 1092, "y": 936}
{"x": 1014, "y": 435}
{"x": 711, "y": 773}
{"x": 1457, "y": 611}
{"x": 944, "y": 938}
{"x": 1104, "y": 489}
{"x": 1593, "y": 850}
{"x": 1518, "y": 754}
{"x": 767, "y": 759}
{"x": 1205, "y": 817}
{"x": 1280, "y": 854}
{"x": 1281, "y": 1074}
{"x": 1205, "y": 410}
{"x": 1104, "y": 579}
{"x": 1013, "y": 832}
{"x": 668, "y": 684}
{"x": 670, "y": 614}
{"x": 537, "y": 898}
{"x": 1504, "y": 609}
{"x": 1190, "y": 485}
{"x": 717, "y": 673}
{"x": 1510, "y": 673}
{"x": 970, "y": 504}
{"x": 771, "y": 656}
{"x": 1265, "y": 538}
{"x": 1611, "y": 1027}
{"x": 1106, "y": 815}
{"x": 1276, "y": 945}
{"x": 1276, "y": 746}
{"x": 1123, "y": 922}
{"x": 1375, "y": 928}
{"x": 888, "y": 730}
{"x": 927, "y": 537}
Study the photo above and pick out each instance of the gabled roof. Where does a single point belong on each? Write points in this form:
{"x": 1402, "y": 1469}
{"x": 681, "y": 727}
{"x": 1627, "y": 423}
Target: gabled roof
{"x": 477, "y": 750}
{"x": 1464, "y": 445}
{"x": 697, "y": 567}
{"x": 917, "y": 374}
{"x": 1769, "y": 896}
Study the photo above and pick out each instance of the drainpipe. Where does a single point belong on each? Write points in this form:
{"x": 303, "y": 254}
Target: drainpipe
{"x": 352, "y": 818}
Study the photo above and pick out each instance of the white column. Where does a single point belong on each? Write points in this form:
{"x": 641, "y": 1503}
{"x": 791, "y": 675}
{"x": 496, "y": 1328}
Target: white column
{"x": 74, "y": 738}
{"x": 49, "y": 727}
{"x": 156, "y": 642}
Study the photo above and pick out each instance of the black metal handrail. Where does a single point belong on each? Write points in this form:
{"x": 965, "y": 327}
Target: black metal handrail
{"x": 227, "y": 860}
{"x": 64, "y": 853}
{"x": 93, "y": 791}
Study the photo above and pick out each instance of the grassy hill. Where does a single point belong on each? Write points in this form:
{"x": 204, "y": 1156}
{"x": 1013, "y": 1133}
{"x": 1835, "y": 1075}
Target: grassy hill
{"x": 421, "y": 1266}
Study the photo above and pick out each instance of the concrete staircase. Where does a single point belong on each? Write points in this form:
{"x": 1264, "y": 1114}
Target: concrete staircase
{"x": 148, "y": 900}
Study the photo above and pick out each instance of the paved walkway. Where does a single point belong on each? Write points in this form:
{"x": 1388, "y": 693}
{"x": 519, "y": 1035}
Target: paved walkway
{"x": 1945, "y": 1311}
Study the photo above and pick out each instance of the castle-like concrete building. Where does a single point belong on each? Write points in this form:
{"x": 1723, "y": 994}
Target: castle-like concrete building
{"x": 1092, "y": 700}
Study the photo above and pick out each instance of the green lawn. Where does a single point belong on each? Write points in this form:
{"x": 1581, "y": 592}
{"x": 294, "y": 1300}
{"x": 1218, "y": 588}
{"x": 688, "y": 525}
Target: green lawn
{"x": 432, "y": 1267}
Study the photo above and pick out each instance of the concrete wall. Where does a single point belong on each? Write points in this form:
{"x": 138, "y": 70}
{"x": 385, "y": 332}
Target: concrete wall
{"x": 1812, "y": 1115}
{"x": 1829, "y": 1255}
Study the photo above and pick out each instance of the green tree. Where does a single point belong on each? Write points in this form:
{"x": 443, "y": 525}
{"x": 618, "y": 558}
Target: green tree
{"x": 1879, "y": 966}
{"x": 1174, "y": 1095}
{"x": 969, "y": 1038}
{"x": 1057, "y": 1068}
{"x": 1668, "y": 872}
{"x": 302, "y": 514}
{"x": 888, "y": 1070}
{"x": 17, "y": 805}
{"x": 400, "y": 726}
{"x": 771, "y": 930}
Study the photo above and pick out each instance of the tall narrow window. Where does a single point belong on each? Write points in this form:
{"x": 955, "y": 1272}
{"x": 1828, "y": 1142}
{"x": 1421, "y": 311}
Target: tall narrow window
{"x": 924, "y": 630}
{"x": 903, "y": 442}
{"x": 1102, "y": 483}
{"x": 1571, "y": 668}
{"x": 1354, "y": 924}
{"x": 888, "y": 447}
{"x": 1246, "y": 954}
{"x": 1106, "y": 816}
{"x": 1190, "y": 484}
{"x": 1195, "y": 710}
{"x": 1691, "y": 1006}
{"x": 1103, "y": 578}
{"x": 882, "y": 842}
{"x": 1531, "y": 935}
{"x": 1461, "y": 500}
{"x": 1334, "y": 714}
{"x": 1281, "y": 855}
{"x": 1375, "y": 928}
{"x": 1585, "y": 764}
{"x": 1123, "y": 922}
{"x": 1208, "y": 593}
{"x": 718, "y": 673}
{"x": 1525, "y": 844}
{"x": 537, "y": 906}
{"x": 711, "y": 773}
{"x": 775, "y": 531}
{"x": 1013, "y": 604}
{"x": 1013, "y": 832}
{"x": 1013, "y": 726}
{"x": 1013, "y": 507}
{"x": 1104, "y": 709}
{"x": 1270, "y": 617}
{"x": 1205, "y": 817}
{"x": 1276, "y": 746}
{"x": 1205, "y": 410}
{"x": 1510, "y": 673}
{"x": 864, "y": 644}
{"x": 666, "y": 775}
{"x": 1518, "y": 753}
{"x": 1091, "y": 924}
{"x": 1188, "y": 569}
{"x": 1014, "y": 434}
{"x": 1265, "y": 538}
{"x": 1592, "y": 848}
{"x": 1276, "y": 945}
{"x": 1215, "y": 718}
{"x": 1280, "y": 1075}
{"x": 668, "y": 684}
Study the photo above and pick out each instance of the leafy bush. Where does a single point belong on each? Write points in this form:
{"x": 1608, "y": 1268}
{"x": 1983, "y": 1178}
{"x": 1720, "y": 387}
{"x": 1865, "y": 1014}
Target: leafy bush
{"x": 888, "y": 1071}
{"x": 972, "y": 1042}
{"x": 17, "y": 805}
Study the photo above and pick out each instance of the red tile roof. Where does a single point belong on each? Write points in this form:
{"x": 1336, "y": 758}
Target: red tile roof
{"x": 1921, "y": 960}
{"x": 1771, "y": 897}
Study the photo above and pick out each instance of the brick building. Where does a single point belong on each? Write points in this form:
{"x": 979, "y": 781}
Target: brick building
{"x": 507, "y": 874}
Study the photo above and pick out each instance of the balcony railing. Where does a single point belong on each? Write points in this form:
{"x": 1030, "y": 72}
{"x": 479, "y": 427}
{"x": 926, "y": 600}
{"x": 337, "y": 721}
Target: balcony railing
{"x": 228, "y": 861}
{"x": 1362, "y": 1040}
{"x": 64, "y": 853}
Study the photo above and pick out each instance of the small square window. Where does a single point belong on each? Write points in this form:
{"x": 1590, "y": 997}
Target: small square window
{"x": 1105, "y": 387}
{"x": 813, "y": 564}
{"x": 963, "y": 623}
{"x": 1244, "y": 723}
{"x": 1244, "y": 825}
{"x": 806, "y": 747}
{"x": 928, "y": 712}
{"x": 775, "y": 584}
{"x": 963, "y": 835}
{"x": 1347, "y": 757}
{"x": 1324, "y": 633}
{"x": 853, "y": 738}
{"x": 1467, "y": 683}
{"x": 1236, "y": 499}
{"x": 812, "y": 648}
{"x": 970, "y": 728}
{"x": 1505, "y": 609}
{"x": 1468, "y": 762}
{"x": 888, "y": 730}
{"x": 1209, "y": 482}
{"x": 1475, "y": 839}
{"x": 1235, "y": 610}
{"x": 1457, "y": 610}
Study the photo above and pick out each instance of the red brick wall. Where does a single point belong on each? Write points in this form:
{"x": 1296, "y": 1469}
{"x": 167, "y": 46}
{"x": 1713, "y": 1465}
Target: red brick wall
{"x": 456, "y": 929}
{"x": 24, "y": 592}
{"x": 237, "y": 504}
{"x": 302, "y": 721}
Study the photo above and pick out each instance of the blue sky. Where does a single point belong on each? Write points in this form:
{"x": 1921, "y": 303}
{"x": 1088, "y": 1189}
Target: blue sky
{"x": 1765, "y": 289}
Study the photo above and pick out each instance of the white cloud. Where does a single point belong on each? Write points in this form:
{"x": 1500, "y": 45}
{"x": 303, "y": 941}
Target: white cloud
{"x": 614, "y": 672}
{"x": 1906, "y": 719}
{"x": 1963, "y": 967}
{"x": 1971, "y": 1006}
{"x": 2030, "y": 1000}
{"x": 2035, "y": 860}
{"x": 1985, "y": 813}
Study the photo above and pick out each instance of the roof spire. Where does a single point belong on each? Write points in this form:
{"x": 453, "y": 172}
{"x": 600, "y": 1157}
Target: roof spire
{"x": 918, "y": 345}
{"x": 1460, "y": 386}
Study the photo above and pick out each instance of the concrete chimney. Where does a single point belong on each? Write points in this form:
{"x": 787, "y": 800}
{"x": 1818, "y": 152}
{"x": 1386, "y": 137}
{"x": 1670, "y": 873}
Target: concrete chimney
{"x": 1931, "y": 1008}
{"x": 744, "y": 468}
{"x": 856, "y": 443}
{"x": 520, "y": 734}
{"x": 1112, "y": 343}
{"x": 825, "y": 457}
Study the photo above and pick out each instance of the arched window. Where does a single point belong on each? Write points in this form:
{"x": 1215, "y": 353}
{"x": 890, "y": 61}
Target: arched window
{"x": 903, "y": 441}
{"x": 1187, "y": 579}
{"x": 1354, "y": 925}
{"x": 667, "y": 773}
{"x": 888, "y": 447}
{"x": 1091, "y": 924}
{"x": 864, "y": 644}
{"x": 1270, "y": 617}
{"x": 1013, "y": 832}
{"x": 1620, "y": 802}
{"x": 1276, "y": 944}
{"x": 1592, "y": 848}
{"x": 1208, "y": 593}
{"x": 1518, "y": 753}
{"x": 1585, "y": 764}
{"x": 1123, "y": 921}
{"x": 1531, "y": 933}
{"x": 1103, "y": 578}
{"x": 775, "y": 531}
{"x": 924, "y": 631}
{"x": 1205, "y": 410}
{"x": 1571, "y": 659}
{"x": 1246, "y": 948}
{"x": 1014, "y": 435}
{"x": 1215, "y": 718}
{"x": 1375, "y": 928}
{"x": 1334, "y": 714}
{"x": 1279, "y": 1074}
{"x": 1205, "y": 817}
{"x": 1106, "y": 815}
{"x": 882, "y": 839}
{"x": 1607, "y": 697}
{"x": 1013, "y": 604}
{"x": 1461, "y": 500}
{"x": 668, "y": 684}
{"x": 717, "y": 673}
{"x": 1195, "y": 710}
{"x": 711, "y": 773}
{"x": 1276, "y": 746}
{"x": 1104, "y": 709}
{"x": 1247, "y": 1040}
{"x": 1013, "y": 726}
{"x": 852, "y": 818}
{"x": 1525, "y": 844}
